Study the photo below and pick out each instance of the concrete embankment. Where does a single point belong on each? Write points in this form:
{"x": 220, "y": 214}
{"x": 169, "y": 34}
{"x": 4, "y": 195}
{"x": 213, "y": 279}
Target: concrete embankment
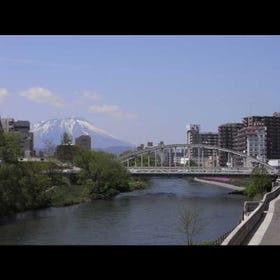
{"x": 240, "y": 234}
{"x": 221, "y": 184}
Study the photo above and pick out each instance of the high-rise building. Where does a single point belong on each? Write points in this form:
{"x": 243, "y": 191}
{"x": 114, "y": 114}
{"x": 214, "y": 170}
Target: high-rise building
{"x": 226, "y": 134}
{"x": 22, "y": 128}
{"x": 193, "y": 137}
{"x": 83, "y": 141}
{"x": 8, "y": 124}
{"x": 272, "y": 123}
{"x": 210, "y": 139}
{"x": 25, "y": 136}
{"x": 252, "y": 142}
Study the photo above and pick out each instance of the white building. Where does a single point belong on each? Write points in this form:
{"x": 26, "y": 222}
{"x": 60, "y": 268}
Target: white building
{"x": 256, "y": 142}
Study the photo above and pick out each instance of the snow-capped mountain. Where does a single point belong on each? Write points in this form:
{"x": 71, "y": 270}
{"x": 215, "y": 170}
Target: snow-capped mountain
{"x": 52, "y": 130}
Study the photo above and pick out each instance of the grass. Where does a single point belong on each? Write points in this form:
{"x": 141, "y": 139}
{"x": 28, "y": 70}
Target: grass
{"x": 137, "y": 184}
{"x": 67, "y": 195}
{"x": 240, "y": 182}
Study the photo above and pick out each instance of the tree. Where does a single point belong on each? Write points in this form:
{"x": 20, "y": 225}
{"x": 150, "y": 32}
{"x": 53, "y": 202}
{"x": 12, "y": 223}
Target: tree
{"x": 23, "y": 185}
{"x": 9, "y": 147}
{"x": 66, "y": 139}
{"x": 101, "y": 173}
{"x": 49, "y": 147}
{"x": 190, "y": 224}
{"x": 66, "y": 152}
{"x": 259, "y": 182}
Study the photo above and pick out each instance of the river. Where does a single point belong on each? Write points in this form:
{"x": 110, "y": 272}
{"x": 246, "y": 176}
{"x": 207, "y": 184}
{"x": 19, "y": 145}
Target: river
{"x": 141, "y": 217}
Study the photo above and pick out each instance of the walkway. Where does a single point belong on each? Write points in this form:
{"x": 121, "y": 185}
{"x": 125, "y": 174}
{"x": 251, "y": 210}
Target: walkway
{"x": 268, "y": 232}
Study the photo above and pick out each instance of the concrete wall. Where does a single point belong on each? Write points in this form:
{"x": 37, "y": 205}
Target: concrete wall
{"x": 239, "y": 234}
{"x": 250, "y": 206}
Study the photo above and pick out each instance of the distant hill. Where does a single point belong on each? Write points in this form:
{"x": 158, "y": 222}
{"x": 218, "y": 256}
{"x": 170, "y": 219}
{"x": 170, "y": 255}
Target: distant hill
{"x": 117, "y": 150}
{"x": 53, "y": 129}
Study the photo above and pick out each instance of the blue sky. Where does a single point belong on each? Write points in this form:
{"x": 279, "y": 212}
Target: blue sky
{"x": 140, "y": 88}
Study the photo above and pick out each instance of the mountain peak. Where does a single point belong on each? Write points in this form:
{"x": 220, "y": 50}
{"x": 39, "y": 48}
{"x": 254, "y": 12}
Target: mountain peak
{"x": 51, "y": 130}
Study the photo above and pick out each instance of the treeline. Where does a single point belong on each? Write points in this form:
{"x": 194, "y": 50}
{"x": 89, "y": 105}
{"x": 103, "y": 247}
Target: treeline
{"x": 33, "y": 185}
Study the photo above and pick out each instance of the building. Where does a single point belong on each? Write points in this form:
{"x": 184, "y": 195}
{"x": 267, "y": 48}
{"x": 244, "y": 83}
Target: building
{"x": 272, "y": 123}
{"x": 150, "y": 144}
{"x": 26, "y": 137}
{"x": 8, "y": 125}
{"x": 22, "y": 128}
{"x": 83, "y": 141}
{"x": 252, "y": 142}
{"x": 226, "y": 135}
{"x": 210, "y": 139}
{"x": 193, "y": 137}
{"x": 140, "y": 147}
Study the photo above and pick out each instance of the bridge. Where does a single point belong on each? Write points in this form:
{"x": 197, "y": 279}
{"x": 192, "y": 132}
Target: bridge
{"x": 191, "y": 171}
{"x": 192, "y": 160}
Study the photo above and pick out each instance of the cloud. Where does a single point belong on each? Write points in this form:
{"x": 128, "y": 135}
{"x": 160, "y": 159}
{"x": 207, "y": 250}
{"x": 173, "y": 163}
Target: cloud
{"x": 87, "y": 94}
{"x": 42, "y": 95}
{"x": 3, "y": 94}
{"x": 112, "y": 110}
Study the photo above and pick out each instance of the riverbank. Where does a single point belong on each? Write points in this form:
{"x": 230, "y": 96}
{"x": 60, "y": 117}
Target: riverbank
{"x": 225, "y": 185}
{"x": 67, "y": 195}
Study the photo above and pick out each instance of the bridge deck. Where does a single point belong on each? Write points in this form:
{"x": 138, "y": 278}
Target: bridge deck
{"x": 190, "y": 172}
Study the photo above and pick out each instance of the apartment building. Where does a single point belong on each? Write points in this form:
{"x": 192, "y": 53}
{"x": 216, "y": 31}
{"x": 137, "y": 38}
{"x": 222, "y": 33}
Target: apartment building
{"x": 272, "y": 124}
{"x": 226, "y": 135}
{"x": 210, "y": 139}
{"x": 252, "y": 142}
{"x": 83, "y": 141}
{"x": 193, "y": 137}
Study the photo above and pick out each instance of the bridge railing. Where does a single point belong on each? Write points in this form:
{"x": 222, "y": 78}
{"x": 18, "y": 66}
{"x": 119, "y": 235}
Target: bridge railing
{"x": 174, "y": 170}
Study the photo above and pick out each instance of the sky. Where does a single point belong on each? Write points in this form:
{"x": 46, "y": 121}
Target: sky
{"x": 140, "y": 88}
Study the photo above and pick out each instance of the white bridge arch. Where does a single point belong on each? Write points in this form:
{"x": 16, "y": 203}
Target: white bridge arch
{"x": 159, "y": 166}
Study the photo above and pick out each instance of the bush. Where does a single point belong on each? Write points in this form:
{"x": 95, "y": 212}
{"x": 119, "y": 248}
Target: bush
{"x": 259, "y": 183}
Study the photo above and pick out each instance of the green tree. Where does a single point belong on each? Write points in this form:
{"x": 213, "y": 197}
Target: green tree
{"x": 10, "y": 188}
{"x": 34, "y": 184}
{"x": 66, "y": 139}
{"x": 9, "y": 147}
{"x": 66, "y": 153}
{"x": 103, "y": 175}
{"x": 259, "y": 182}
